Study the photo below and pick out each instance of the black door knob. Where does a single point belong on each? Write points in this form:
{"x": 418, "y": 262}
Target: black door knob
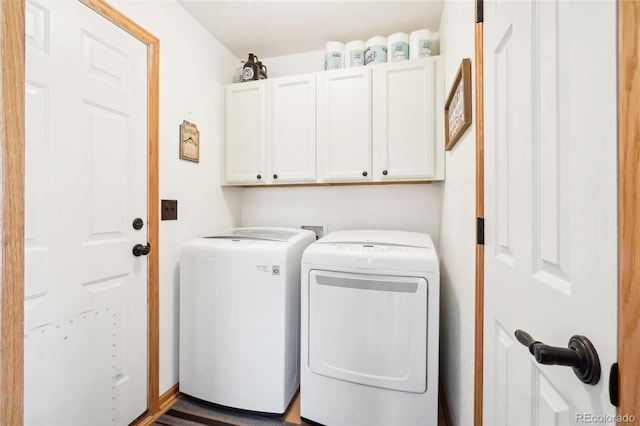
{"x": 365, "y": 174}
{"x": 580, "y": 355}
{"x": 259, "y": 177}
{"x": 138, "y": 223}
{"x": 140, "y": 250}
{"x": 384, "y": 172}
{"x": 275, "y": 176}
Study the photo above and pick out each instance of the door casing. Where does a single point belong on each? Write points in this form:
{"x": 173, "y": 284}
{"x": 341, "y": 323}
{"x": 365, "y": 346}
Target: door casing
{"x": 12, "y": 122}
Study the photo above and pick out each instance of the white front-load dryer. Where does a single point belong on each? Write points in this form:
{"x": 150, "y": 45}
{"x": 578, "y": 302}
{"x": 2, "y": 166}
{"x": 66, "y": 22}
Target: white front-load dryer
{"x": 239, "y": 317}
{"x": 369, "y": 329}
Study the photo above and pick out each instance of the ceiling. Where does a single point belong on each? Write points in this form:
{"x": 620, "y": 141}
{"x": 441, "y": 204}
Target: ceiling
{"x": 275, "y": 28}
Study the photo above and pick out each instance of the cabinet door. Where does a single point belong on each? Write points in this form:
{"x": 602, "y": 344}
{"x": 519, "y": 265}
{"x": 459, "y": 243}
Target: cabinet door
{"x": 409, "y": 114}
{"x": 245, "y": 133}
{"x": 344, "y": 124}
{"x": 292, "y": 129}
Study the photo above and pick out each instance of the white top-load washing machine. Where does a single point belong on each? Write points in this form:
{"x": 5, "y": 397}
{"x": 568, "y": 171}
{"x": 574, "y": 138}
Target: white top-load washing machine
{"x": 369, "y": 327}
{"x": 239, "y": 317}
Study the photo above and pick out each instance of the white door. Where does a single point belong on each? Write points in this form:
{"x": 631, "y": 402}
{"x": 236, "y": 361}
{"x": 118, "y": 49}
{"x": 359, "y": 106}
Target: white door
{"x": 550, "y": 205}
{"x": 86, "y": 182}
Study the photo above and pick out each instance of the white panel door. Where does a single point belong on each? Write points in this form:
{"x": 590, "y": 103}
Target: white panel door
{"x": 86, "y": 181}
{"x": 344, "y": 124}
{"x": 550, "y": 205}
{"x": 292, "y": 129}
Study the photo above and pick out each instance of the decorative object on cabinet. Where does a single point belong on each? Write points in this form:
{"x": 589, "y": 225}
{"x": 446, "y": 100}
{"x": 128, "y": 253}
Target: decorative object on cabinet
{"x": 250, "y": 71}
{"x": 457, "y": 109}
{"x": 189, "y": 142}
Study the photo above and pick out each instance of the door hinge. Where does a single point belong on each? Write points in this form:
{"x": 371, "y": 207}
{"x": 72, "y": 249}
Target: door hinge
{"x": 614, "y": 385}
{"x": 479, "y": 11}
{"x": 480, "y": 230}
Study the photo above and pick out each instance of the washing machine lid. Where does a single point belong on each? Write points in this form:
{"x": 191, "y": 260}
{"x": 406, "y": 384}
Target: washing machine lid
{"x": 374, "y": 249}
{"x": 263, "y": 234}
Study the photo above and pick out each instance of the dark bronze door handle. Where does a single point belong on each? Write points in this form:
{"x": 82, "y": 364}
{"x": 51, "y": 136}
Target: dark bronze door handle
{"x": 580, "y": 355}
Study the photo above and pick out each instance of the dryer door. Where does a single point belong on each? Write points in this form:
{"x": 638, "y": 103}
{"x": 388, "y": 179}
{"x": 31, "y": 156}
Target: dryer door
{"x": 369, "y": 329}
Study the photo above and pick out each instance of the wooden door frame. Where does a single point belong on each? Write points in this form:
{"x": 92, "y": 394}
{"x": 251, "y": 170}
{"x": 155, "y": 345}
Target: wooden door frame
{"x": 12, "y": 131}
{"x": 628, "y": 208}
{"x": 479, "y": 299}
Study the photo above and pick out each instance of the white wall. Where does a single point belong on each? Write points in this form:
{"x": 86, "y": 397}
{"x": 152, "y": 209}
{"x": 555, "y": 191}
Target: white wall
{"x": 399, "y": 207}
{"x": 300, "y": 63}
{"x": 457, "y": 233}
{"x": 193, "y": 66}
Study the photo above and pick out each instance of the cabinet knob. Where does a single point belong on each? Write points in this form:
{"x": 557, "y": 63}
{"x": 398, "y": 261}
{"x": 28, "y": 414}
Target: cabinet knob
{"x": 364, "y": 173}
{"x": 384, "y": 172}
{"x": 275, "y": 176}
{"x": 259, "y": 177}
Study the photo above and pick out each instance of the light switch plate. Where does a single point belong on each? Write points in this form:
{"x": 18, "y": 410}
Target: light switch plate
{"x": 169, "y": 210}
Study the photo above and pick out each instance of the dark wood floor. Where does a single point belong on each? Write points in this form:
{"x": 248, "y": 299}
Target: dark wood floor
{"x": 187, "y": 411}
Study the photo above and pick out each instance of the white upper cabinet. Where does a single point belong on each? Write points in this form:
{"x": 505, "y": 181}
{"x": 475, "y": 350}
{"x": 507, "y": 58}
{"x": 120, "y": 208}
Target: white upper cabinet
{"x": 378, "y": 123}
{"x": 408, "y": 120}
{"x": 291, "y": 130}
{"x": 245, "y": 124}
{"x": 344, "y": 124}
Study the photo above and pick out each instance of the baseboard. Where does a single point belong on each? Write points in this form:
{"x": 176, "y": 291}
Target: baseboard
{"x": 444, "y": 410}
{"x": 169, "y": 397}
{"x": 166, "y": 401}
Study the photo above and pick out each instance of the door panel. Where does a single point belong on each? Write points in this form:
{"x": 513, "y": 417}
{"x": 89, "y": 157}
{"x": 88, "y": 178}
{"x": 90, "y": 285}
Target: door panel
{"x": 550, "y": 204}
{"x": 344, "y": 124}
{"x": 86, "y": 180}
{"x": 245, "y": 133}
{"x": 292, "y": 128}
{"x": 409, "y": 119}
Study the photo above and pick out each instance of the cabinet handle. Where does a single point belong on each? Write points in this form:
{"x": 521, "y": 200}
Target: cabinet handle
{"x": 259, "y": 177}
{"x": 384, "y": 172}
{"x": 364, "y": 174}
{"x": 275, "y": 176}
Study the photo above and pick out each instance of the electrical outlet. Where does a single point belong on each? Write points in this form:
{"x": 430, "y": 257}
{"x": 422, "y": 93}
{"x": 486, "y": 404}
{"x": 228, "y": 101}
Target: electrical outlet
{"x": 319, "y": 229}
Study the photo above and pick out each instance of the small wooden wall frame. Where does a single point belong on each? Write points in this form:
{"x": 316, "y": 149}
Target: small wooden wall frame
{"x": 457, "y": 109}
{"x": 189, "y": 142}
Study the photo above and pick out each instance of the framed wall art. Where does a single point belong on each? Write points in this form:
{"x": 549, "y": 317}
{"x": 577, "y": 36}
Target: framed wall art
{"x": 189, "y": 142}
{"x": 457, "y": 109}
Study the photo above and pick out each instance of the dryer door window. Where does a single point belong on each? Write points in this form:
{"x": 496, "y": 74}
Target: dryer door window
{"x": 369, "y": 329}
